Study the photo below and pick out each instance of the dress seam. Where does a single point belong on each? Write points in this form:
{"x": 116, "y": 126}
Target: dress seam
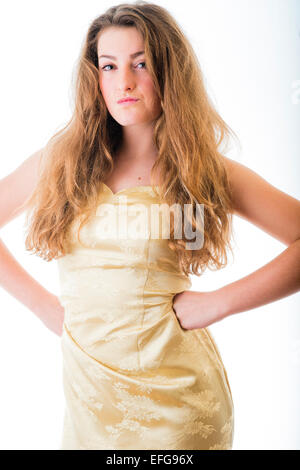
{"x": 143, "y": 297}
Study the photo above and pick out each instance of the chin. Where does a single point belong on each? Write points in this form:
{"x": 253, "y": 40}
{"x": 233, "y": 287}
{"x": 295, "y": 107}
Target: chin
{"x": 132, "y": 121}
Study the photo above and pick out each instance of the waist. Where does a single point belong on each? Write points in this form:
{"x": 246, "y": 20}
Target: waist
{"x": 124, "y": 342}
{"x": 118, "y": 312}
{"x": 114, "y": 293}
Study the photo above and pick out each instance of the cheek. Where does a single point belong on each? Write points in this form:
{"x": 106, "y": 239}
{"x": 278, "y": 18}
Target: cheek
{"x": 105, "y": 87}
{"x": 148, "y": 84}
{"x": 149, "y": 90}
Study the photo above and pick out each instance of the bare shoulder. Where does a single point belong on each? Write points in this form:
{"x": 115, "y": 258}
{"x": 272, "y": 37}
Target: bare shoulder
{"x": 236, "y": 170}
{"x": 17, "y": 186}
{"x": 245, "y": 184}
{"x": 261, "y": 203}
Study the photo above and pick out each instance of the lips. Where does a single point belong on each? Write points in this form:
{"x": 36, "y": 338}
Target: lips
{"x": 124, "y": 100}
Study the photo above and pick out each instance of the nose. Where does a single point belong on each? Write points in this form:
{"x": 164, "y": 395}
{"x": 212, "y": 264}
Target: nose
{"x": 126, "y": 79}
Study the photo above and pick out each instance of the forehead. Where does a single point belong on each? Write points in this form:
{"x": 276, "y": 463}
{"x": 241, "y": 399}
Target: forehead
{"x": 116, "y": 40}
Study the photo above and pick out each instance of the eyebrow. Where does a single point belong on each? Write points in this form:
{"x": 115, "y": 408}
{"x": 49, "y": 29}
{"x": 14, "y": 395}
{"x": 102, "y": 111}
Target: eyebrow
{"x": 132, "y": 56}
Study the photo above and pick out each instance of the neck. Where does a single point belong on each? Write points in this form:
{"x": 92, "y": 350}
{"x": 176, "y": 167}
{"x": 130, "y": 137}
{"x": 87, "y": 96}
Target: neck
{"x": 137, "y": 144}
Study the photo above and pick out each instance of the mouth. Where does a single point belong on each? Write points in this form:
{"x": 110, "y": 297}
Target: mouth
{"x": 127, "y": 100}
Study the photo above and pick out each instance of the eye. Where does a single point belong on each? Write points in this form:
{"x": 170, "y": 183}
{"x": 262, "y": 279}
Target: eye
{"x": 142, "y": 63}
{"x": 110, "y": 65}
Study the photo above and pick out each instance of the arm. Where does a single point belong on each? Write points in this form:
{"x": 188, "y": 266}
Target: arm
{"x": 15, "y": 188}
{"x": 278, "y": 214}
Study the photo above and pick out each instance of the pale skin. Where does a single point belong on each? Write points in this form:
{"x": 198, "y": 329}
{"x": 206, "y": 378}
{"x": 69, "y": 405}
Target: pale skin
{"x": 255, "y": 200}
{"x": 121, "y": 77}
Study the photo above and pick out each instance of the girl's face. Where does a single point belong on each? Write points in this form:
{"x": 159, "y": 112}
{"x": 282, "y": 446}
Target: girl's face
{"x": 124, "y": 74}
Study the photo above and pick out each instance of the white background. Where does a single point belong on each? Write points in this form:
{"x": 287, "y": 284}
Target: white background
{"x": 249, "y": 52}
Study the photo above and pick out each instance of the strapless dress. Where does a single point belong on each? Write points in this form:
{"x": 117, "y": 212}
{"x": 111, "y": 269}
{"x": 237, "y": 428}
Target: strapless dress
{"x": 133, "y": 378}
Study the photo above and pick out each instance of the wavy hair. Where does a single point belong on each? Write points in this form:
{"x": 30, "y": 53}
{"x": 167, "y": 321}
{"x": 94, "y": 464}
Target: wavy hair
{"x": 188, "y": 134}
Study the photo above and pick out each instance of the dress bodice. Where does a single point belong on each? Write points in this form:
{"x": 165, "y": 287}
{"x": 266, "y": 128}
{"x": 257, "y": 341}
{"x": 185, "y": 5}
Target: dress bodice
{"x": 119, "y": 280}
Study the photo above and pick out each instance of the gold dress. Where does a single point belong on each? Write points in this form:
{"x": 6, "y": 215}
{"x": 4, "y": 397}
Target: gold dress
{"x": 133, "y": 378}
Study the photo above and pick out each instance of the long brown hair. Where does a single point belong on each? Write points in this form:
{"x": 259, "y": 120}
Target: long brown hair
{"x": 188, "y": 134}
